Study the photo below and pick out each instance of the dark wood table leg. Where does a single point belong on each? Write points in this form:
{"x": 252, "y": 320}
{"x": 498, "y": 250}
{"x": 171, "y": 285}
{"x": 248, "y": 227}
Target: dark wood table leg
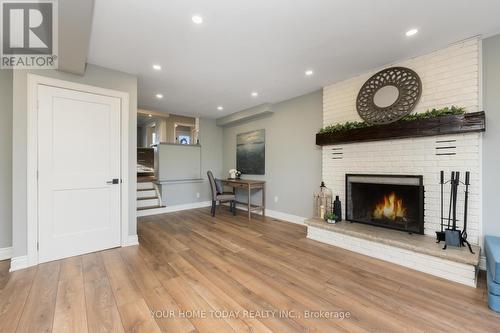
{"x": 249, "y": 202}
{"x": 263, "y": 200}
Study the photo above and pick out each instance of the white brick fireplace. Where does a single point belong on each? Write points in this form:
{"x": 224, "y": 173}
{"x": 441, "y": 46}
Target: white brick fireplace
{"x": 449, "y": 77}
{"x": 412, "y": 157}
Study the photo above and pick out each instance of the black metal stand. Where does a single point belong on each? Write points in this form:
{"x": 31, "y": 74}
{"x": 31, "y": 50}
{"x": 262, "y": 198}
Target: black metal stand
{"x": 452, "y": 235}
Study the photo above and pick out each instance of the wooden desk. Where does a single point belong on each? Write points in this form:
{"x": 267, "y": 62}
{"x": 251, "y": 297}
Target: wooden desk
{"x": 249, "y": 185}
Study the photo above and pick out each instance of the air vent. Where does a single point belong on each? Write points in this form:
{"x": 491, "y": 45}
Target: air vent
{"x": 337, "y": 153}
{"x": 446, "y": 147}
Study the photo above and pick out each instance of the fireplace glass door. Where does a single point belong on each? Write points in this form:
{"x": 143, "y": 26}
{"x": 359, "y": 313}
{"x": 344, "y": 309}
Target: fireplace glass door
{"x": 390, "y": 201}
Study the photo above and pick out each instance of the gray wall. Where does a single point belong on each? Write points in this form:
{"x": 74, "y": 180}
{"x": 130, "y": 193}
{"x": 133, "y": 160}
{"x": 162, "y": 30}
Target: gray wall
{"x": 75, "y": 26}
{"x": 491, "y": 143}
{"x": 293, "y": 161}
{"x": 5, "y": 158}
{"x": 211, "y": 159}
{"x": 94, "y": 76}
{"x": 177, "y": 162}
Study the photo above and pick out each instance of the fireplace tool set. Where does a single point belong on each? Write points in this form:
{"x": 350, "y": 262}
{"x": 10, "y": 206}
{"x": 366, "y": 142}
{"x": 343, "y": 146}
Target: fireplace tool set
{"x": 453, "y": 236}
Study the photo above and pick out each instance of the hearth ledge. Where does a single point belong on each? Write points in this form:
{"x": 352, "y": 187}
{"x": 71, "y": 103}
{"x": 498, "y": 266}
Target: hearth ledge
{"x": 419, "y": 252}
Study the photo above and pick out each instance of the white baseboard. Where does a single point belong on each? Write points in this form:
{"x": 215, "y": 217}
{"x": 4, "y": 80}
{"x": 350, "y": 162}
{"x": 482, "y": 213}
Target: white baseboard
{"x": 286, "y": 217}
{"x": 171, "y": 209}
{"x": 132, "y": 240}
{"x": 278, "y": 215}
{"x": 18, "y": 263}
{"x": 269, "y": 213}
{"x": 21, "y": 262}
{"x": 482, "y": 263}
{"x": 5, "y": 253}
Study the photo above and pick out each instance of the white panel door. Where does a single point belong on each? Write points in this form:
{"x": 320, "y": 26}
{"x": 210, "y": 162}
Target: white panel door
{"x": 78, "y": 157}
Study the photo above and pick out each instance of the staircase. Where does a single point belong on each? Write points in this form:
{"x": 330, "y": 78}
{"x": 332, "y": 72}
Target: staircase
{"x": 148, "y": 194}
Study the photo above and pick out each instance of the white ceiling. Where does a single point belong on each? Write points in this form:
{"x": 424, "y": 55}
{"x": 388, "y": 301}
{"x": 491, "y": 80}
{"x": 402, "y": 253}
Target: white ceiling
{"x": 266, "y": 45}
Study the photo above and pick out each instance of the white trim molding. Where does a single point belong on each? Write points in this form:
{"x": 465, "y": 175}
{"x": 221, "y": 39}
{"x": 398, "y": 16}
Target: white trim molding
{"x": 5, "y": 253}
{"x": 482, "y": 263}
{"x": 285, "y": 217}
{"x": 132, "y": 240}
{"x": 32, "y": 159}
{"x": 175, "y": 208}
{"x": 274, "y": 214}
{"x": 269, "y": 213}
{"x": 18, "y": 263}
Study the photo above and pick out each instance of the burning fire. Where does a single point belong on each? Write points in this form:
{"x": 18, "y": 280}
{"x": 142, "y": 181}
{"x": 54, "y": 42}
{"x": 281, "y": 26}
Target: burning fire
{"x": 391, "y": 207}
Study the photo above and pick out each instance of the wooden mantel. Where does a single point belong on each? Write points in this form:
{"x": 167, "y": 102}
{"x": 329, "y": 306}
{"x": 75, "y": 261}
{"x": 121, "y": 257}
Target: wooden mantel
{"x": 455, "y": 124}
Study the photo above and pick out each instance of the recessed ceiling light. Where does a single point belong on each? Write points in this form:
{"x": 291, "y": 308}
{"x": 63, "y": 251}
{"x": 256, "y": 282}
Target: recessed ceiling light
{"x": 157, "y": 67}
{"x": 255, "y": 94}
{"x": 159, "y": 96}
{"x": 150, "y": 115}
{"x": 197, "y": 19}
{"x": 309, "y": 72}
{"x": 411, "y": 32}
{"x": 220, "y": 108}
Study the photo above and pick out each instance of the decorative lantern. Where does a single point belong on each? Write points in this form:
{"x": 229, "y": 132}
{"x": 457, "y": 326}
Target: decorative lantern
{"x": 322, "y": 201}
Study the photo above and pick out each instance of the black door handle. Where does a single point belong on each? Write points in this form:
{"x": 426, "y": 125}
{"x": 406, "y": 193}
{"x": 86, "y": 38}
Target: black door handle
{"x": 113, "y": 181}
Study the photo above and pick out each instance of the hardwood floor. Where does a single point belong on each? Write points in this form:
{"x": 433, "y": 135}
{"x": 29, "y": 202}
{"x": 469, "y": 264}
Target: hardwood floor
{"x": 264, "y": 274}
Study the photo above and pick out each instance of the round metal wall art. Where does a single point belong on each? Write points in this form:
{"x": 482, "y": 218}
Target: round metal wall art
{"x": 409, "y": 86}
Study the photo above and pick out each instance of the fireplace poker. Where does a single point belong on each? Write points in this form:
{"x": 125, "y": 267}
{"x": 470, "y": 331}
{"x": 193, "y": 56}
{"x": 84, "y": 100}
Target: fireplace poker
{"x": 451, "y": 198}
{"x": 455, "y": 193}
{"x": 440, "y": 234}
{"x": 463, "y": 236}
{"x": 466, "y": 203}
{"x": 453, "y": 235}
{"x": 449, "y": 207}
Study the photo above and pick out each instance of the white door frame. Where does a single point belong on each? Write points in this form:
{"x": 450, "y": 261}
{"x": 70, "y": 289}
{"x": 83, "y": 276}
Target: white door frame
{"x": 32, "y": 159}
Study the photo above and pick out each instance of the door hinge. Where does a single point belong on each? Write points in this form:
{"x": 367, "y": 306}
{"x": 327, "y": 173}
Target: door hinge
{"x": 37, "y": 246}
{"x": 37, "y": 175}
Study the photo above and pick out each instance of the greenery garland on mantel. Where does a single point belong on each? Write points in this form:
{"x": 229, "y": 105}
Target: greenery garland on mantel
{"x": 429, "y": 114}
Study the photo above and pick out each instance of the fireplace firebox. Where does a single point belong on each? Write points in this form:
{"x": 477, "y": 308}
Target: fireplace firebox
{"x": 389, "y": 201}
